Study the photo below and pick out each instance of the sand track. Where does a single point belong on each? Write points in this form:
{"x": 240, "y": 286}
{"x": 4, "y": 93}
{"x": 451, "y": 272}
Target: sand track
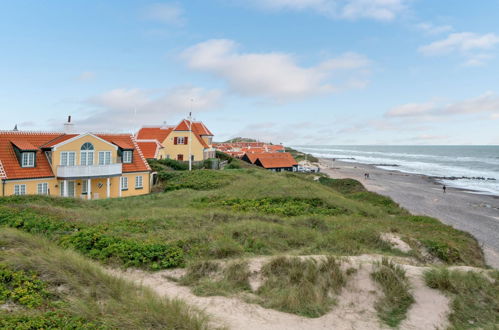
{"x": 355, "y": 308}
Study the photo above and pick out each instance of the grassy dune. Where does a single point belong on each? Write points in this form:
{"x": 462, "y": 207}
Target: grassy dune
{"x": 219, "y": 214}
{"x": 49, "y": 287}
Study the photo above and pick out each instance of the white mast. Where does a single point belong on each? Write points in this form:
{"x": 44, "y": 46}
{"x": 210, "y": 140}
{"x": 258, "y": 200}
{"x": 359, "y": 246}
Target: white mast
{"x": 190, "y": 139}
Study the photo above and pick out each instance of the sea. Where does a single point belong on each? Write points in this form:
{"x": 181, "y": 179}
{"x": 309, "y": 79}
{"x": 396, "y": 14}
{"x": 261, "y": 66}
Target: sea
{"x": 473, "y": 168}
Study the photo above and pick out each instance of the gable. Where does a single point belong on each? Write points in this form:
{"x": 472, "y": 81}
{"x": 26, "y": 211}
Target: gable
{"x": 75, "y": 143}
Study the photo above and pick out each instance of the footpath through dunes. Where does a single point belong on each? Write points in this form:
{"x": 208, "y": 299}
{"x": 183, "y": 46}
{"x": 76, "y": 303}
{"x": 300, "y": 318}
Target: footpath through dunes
{"x": 354, "y": 308}
{"x": 474, "y": 213}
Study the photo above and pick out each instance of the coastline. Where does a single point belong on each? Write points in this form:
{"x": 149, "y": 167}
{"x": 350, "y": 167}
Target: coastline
{"x": 475, "y": 213}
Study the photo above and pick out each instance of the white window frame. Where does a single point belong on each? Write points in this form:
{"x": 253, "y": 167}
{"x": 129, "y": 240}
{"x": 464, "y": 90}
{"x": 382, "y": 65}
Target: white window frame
{"x": 20, "y": 189}
{"x": 124, "y": 183}
{"x": 139, "y": 182}
{"x": 181, "y": 140}
{"x": 87, "y": 157}
{"x": 42, "y": 188}
{"x": 127, "y": 156}
{"x": 104, "y": 157}
{"x": 84, "y": 187}
{"x": 68, "y": 158}
{"x": 28, "y": 159}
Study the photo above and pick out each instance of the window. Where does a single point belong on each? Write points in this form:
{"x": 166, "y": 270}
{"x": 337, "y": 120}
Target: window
{"x": 181, "y": 140}
{"x": 104, "y": 157}
{"x": 28, "y": 159}
{"x": 180, "y": 157}
{"x": 68, "y": 158}
{"x": 124, "y": 183}
{"x": 71, "y": 188}
{"x": 42, "y": 188}
{"x": 20, "y": 189}
{"x": 127, "y": 156}
{"x": 84, "y": 187}
{"x": 138, "y": 182}
{"x": 87, "y": 154}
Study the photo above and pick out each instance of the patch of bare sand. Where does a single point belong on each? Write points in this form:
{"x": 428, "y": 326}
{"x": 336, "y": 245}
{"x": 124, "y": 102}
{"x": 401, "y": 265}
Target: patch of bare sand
{"x": 354, "y": 310}
{"x": 396, "y": 242}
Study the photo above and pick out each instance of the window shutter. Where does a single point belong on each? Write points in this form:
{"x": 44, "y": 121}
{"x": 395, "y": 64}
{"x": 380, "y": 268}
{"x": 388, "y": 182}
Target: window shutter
{"x": 186, "y": 139}
{"x": 174, "y": 140}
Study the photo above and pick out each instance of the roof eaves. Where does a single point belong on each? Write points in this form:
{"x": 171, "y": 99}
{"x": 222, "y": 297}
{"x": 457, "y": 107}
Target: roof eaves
{"x": 140, "y": 152}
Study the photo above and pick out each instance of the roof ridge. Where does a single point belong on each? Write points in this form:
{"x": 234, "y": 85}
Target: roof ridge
{"x": 31, "y": 132}
{"x": 140, "y": 152}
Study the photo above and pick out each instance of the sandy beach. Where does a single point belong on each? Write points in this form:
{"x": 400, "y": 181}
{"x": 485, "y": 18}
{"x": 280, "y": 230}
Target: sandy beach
{"x": 475, "y": 213}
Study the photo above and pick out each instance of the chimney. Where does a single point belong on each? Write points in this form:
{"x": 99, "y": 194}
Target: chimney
{"x": 164, "y": 125}
{"x": 68, "y": 126}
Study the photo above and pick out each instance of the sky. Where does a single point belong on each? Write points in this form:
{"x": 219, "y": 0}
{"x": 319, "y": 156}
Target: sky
{"x": 286, "y": 71}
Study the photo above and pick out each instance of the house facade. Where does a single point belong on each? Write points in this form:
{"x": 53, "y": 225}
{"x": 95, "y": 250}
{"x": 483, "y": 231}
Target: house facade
{"x": 178, "y": 141}
{"x": 89, "y": 166}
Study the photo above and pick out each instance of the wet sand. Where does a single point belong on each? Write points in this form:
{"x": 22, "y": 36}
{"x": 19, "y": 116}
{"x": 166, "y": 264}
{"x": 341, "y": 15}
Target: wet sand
{"x": 422, "y": 195}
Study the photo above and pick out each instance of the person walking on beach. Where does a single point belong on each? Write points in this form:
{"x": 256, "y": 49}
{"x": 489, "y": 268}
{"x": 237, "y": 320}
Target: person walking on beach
{"x": 444, "y": 188}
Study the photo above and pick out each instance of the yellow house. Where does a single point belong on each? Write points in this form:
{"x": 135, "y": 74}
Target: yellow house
{"x": 176, "y": 142}
{"x": 89, "y": 166}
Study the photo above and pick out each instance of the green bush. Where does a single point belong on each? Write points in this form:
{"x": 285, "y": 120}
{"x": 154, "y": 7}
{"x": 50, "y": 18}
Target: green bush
{"x": 21, "y": 287}
{"x": 442, "y": 251}
{"x": 48, "y": 320}
{"x": 99, "y": 246}
{"x": 287, "y": 206}
{"x": 197, "y": 180}
{"x": 232, "y": 166}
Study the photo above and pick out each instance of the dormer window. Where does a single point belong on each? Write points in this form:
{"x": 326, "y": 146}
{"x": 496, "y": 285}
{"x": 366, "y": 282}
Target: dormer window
{"x": 28, "y": 159}
{"x": 127, "y": 156}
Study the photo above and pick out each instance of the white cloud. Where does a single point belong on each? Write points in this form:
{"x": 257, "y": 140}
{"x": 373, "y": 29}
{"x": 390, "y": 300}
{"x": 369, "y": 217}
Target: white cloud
{"x": 168, "y": 13}
{"x": 276, "y": 76}
{"x": 461, "y": 42}
{"x": 383, "y": 10}
{"x": 123, "y": 108}
{"x": 472, "y": 46}
{"x": 433, "y": 29}
{"x": 85, "y": 76}
{"x": 487, "y": 103}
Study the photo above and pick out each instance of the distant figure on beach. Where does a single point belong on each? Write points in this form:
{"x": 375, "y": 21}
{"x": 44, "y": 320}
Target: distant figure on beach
{"x": 366, "y": 175}
{"x": 444, "y": 188}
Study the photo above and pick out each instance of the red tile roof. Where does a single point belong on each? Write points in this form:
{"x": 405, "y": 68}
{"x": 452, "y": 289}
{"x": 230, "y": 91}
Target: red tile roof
{"x": 149, "y": 148}
{"x": 197, "y": 127}
{"x": 11, "y": 169}
{"x": 276, "y": 160}
{"x": 23, "y": 144}
{"x": 10, "y": 163}
{"x": 156, "y": 133}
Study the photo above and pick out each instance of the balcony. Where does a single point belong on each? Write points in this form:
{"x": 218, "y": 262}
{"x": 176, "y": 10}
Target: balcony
{"x": 89, "y": 171}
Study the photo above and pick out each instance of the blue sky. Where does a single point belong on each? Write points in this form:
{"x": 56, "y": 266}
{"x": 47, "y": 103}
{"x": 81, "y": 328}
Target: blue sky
{"x": 291, "y": 71}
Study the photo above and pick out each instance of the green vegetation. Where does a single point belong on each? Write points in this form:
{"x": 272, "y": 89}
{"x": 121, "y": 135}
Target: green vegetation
{"x": 217, "y": 214}
{"x": 304, "y": 287}
{"x": 392, "y": 307}
{"x": 299, "y": 156}
{"x": 474, "y": 296}
{"x": 240, "y": 139}
{"x": 208, "y": 278}
{"x": 49, "y": 287}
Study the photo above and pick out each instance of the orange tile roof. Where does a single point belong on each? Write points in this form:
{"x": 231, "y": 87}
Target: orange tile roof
{"x": 156, "y": 133}
{"x": 10, "y": 163}
{"x": 149, "y": 148}
{"x": 11, "y": 169}
{"x": 276, "y": 160}
{"x": 23, "y": 144}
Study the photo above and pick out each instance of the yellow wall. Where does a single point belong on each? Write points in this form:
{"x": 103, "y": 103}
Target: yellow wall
{"x": 55, "y": 186}
{"x": 174, "y": 149}
{"x": 99, "y": 145}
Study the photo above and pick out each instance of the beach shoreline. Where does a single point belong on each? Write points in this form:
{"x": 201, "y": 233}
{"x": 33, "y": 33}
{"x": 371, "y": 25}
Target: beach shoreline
{"x": 467, "y": 210}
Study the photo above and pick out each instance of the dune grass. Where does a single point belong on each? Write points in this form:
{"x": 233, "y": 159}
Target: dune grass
{"x": 305, "y": 287}
{"x": 77, "y": 292}
{"x": 474, "y": 296}
{"x": 234, "y": 213}
{"x": 397, "y": 299}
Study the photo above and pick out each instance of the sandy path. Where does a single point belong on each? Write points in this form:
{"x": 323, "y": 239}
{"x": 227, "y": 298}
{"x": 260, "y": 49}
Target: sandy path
{"x": 476, "y": 214}
{"x": 355, "y": 308}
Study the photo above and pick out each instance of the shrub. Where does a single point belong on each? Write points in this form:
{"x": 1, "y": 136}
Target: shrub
{"x": 197, "y": 180}
{"x": 47, "y": 320}
{"x": 232, "y": 166}
{"x": 21, "y": 287}
{"x": 442, "y": 251}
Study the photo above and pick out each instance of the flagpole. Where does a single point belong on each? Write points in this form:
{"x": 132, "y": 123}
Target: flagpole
{"x": 190, "y": 139}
